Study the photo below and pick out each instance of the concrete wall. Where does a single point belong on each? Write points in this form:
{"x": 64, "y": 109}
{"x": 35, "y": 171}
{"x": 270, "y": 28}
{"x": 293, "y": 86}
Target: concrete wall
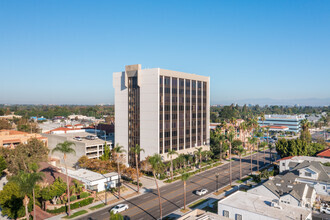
{"x": 121, "y": 110}
{"x": 149, "y": 111}
{"x": 71, "y": 158}
{"x": 288, "y": 199}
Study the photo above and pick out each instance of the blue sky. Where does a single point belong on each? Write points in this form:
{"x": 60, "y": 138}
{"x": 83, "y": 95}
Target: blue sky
{"x": 64, "y": 52}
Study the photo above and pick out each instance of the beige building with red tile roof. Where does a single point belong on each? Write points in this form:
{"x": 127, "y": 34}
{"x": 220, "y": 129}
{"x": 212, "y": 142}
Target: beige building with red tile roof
{"x": 11, "y": 138}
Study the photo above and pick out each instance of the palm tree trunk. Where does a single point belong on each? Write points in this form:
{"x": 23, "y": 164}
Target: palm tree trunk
{"x": 34, "y": 205}
{"x": 160, "y": 203}
{"x": 26, "y": 202}
{"x": 220, "y": 145}
{"x": 258, "y": 156}
{"x": 171, "y": 169}
{"x": 230, "y": 162}
{"x": 67, "y": 185}
{"x": 137, "y": 173}
{"x": 251, "y": 158}
{"x": 118, "y": 168}
{"x": 184, "y": 197}
{"x": 240, "y": 166}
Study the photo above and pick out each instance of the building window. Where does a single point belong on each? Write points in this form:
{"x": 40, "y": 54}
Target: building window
{"x": 226, "y": 213}
{"x": 238, "y": 217}
{"x": 283, "y": 164}
{"x": 308, "y": 174}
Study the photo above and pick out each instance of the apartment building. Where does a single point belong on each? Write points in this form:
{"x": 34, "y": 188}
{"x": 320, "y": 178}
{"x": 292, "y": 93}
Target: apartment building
{"x": 161, "y": 110}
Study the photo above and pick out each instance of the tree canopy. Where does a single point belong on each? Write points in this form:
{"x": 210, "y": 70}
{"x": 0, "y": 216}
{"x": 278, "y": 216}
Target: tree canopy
{"x": 19, "y": 158}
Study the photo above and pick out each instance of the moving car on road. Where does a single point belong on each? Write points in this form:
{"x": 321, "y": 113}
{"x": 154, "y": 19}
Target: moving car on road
{"x": 119, "y": 208}
{"x": 201, "y": 192}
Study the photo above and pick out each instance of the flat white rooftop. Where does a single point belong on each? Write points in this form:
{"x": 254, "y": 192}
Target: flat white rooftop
{"x": 261, "y": 205}
{"x": 89, "y": 176}
{"x": 83, "y": 135}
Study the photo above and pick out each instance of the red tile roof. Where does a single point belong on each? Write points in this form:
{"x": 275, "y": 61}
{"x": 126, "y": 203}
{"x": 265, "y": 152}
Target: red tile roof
{"x": 52, "y": 173}
{"x": 7, "y": 141}
{"x": 285, "y": 158}
{"x": 273, "y": 126}
{"x": 325, "y": 153}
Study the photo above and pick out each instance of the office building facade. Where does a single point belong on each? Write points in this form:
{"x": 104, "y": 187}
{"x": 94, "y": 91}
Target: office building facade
{"x": 161, "y": 110}
{"x": 290, "y": 121}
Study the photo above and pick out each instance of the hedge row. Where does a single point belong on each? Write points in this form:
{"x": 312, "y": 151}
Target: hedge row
{"x": 72, "y": 206}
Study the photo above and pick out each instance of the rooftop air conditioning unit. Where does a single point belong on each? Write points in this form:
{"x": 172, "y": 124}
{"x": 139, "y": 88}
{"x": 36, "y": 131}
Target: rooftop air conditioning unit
{"x": 276, "y": 204}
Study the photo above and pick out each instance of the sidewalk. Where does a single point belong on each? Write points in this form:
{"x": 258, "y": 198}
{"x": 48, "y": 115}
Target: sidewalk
{"x": 111, "y": 201}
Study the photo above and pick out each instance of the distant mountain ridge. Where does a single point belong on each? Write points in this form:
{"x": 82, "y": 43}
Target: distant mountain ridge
{"x": 289, "y": 102}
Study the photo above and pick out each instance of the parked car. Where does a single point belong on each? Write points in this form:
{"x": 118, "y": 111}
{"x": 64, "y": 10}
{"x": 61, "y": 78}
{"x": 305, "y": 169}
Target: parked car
{"x": 78, "y": 138}
{"x": 201, "y": 192}
{"x": 325, "y": 209}
{"x": 119, "y": 208}
{"x": 90, "y": 137}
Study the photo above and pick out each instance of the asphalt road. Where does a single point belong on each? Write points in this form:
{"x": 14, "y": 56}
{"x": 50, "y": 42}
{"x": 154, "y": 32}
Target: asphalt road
{"x": 146, "y": 206}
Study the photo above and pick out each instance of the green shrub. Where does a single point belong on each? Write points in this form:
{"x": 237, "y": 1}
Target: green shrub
{"x": 73, "y": 198}
{"x": 72, "y": 206}
{"x": 84, "y": 195}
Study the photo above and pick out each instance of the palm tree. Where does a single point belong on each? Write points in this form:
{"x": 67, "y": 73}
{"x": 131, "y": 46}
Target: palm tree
{"x": 252, "y": 140}
{"x": 156, "y": 166}
{"x": 118, "y": 150}
{"x": 170, "y": 154}
{"x": 222, "y": 139}
{"x": 26, "y": 183}
{"x": 65, "y": 148}
{"x": 198, "y": 153}
{"x": 137, "y": 150}
{"x": 230, "y": 138}
{"x": 233, "y": 121}
{"x": 263, "y": 146}
{"x": 240, "y": 150}
{"x": 271, "y": 147}
{"x": 242, "y": 128}
{"x": 258, "y": 134}
{"x": 184, "y": 178}
{"x": 267, "y": 129}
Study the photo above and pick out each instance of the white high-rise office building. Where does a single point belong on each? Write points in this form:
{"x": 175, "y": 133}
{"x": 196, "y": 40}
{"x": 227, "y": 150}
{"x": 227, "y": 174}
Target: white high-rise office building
{"x": 161, "y": 110}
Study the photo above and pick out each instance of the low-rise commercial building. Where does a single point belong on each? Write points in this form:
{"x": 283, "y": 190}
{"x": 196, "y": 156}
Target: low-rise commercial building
{"x": 244, "y": 205}
{"x": 11, "y": 138}
{"x": 290, "y": 121}
{"x": 86, "y": 144}
{"x": 95, "y": 181}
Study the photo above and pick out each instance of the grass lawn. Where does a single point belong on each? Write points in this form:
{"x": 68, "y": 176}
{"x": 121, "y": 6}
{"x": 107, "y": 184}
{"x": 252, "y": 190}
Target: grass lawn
{"x": 97, "y": 206}
{"x": 184, "y": 210}
{"x": 197, "y": 203}
{"x": 224, "y": 189}
{"x": 77, "y": 214}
